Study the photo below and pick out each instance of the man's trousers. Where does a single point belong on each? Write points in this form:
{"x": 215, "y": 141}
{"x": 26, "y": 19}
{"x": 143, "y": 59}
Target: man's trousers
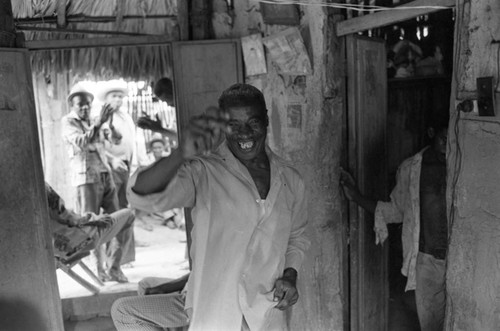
{"x": 430, "y": 293}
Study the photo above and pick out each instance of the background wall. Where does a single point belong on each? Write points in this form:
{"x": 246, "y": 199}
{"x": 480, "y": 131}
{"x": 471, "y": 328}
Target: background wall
{"x": 51, "y": 105}
{"x": 474, "y": 254}
{"x": 314, "y": 148}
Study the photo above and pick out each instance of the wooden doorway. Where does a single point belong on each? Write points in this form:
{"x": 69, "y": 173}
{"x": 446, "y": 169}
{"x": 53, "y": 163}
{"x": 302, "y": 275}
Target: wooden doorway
{"x": 366, "y": 126}
{"x": 198, "y": 86}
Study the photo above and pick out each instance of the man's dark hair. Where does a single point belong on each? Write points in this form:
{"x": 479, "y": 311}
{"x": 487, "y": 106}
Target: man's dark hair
{"x": 239, "y": 95}
{"x": 164, "y": 86}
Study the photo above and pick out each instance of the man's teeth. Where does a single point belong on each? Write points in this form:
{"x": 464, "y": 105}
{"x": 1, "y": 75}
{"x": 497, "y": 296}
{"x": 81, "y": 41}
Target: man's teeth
{"x": 246, "y": 145}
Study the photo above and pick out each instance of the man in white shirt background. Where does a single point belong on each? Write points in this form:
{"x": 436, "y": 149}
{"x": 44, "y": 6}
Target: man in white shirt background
{"x": 121, "y": 144}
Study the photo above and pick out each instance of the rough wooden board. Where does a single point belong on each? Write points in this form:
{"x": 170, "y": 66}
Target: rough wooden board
{"x": 383, "y": 18}
{"x": 29, "y": 299}
{"x": 473, "y": 271}
{"x": 38, "y": 45}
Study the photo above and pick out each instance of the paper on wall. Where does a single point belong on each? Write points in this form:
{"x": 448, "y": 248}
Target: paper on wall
{"x": 287, "y": 50}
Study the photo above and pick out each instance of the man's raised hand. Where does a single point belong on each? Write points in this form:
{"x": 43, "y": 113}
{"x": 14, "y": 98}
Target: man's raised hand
{"x": 204, "y": 132}
{"x": 146, "y": 123}
{"x": 105, "y": 114}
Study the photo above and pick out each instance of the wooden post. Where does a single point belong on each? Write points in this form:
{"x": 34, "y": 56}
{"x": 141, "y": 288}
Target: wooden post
{"x": 183, "y": 19}
{"x": 29, "y": 297}
{"x": 473, "y": 264}
{"x": 7, "y": 30}
{"x": 61, "y": 14}
{"x": 200, "y": 18}
{"x": 120, "y": 11}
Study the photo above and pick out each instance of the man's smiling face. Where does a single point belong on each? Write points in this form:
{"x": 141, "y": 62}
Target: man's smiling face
{"x": 248, "y": 131}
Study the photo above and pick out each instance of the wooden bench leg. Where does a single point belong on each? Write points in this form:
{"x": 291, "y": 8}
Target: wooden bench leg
{"x": 90, "y": 273}
{"x": 80, "y": 280}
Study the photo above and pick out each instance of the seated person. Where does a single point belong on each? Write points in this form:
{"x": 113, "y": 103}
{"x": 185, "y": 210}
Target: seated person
{"x": 73, "y": 233}
{"x": 157, "y": 306}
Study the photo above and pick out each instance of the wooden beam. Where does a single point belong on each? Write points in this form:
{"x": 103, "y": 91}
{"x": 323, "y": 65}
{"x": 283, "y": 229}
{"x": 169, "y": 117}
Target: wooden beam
{"x": 87, "y": 19}
{"x": 61, "y": 14}
{"x": 183, "y": 19}
{"x": 39, "y": 45}
{"x": 387, "y": 17}
{"x": 77, "y": 31}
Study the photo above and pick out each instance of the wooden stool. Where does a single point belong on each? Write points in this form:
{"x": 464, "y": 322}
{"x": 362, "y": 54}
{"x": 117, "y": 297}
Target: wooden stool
{"x": 67, "y": 264}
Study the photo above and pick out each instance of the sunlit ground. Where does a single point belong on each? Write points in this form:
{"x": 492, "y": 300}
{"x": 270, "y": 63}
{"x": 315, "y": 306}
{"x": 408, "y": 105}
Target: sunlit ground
{"x": 164, "y": 256}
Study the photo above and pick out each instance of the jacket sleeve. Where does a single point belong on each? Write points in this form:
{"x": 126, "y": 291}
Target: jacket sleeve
{"x": 72, "y": 134}
{"x": 57, "y": 210}
{"x": 298, "y": 243}
{"x": 392, "y": 211}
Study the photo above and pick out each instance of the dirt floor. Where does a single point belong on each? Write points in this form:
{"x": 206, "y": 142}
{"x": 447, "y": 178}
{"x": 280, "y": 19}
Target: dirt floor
{"x": 160, "y": 252}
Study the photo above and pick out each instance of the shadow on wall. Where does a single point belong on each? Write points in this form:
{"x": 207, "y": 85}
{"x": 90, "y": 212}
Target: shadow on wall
{"x": 19, "y": 315}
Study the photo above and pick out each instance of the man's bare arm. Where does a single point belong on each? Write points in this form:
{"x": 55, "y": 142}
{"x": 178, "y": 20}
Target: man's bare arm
{"x": 156, "y": 178}
{"x": 352, "y": 192}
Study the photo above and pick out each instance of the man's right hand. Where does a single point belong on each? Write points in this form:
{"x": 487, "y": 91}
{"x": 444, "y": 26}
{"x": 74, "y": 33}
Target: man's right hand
{"x": 204, "y": 132}
{"x": 349, "y": 186}
{"x": 153, "y": 291}
{"x": 105, "y": 114}
{"x": 147, "y": 123}
{"x": 169, "y": 287}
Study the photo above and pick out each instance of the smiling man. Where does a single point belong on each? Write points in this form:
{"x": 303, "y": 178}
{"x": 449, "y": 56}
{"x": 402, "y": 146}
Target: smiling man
{"x": 249, "y": 215}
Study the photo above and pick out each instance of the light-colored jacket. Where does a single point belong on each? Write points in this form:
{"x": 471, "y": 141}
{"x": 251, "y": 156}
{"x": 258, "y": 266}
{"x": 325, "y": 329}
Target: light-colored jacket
{"x": 404, "y": 207}
{"x": 86, "y": 150}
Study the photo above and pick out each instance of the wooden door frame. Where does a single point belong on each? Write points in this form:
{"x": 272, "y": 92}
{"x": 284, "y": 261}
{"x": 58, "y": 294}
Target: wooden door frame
{"x": 347, "y": 29}
{"x": 183, "y": 116}
{"x": 355, "y": 262}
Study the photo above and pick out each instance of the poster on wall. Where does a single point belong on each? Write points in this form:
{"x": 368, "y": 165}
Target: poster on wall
{"x": 288, "y": 52}
{"x": 253, "y": 54}
{"x": 295, "y": 111}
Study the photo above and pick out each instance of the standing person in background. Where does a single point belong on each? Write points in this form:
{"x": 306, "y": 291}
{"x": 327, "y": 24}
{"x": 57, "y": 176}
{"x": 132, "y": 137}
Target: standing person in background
{"x": 164, "y": 91}
{"x": 122, "y": 147}
{"x": 419, "y": 202}
{"x": 90, "y": 171}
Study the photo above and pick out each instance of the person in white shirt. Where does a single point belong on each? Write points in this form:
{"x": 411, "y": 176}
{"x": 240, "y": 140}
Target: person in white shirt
{"x": 121, "y": 146}
{"x": 249, "y": 214}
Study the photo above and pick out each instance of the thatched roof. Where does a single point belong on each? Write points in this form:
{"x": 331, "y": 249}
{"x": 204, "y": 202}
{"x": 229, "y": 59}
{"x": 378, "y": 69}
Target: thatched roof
{"x": 151, "y": 17}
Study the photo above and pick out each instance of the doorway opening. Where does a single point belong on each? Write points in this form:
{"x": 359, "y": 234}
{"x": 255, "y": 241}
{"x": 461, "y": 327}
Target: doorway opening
{"x": 416, "y": 94}
{"x": 160, "y": 239}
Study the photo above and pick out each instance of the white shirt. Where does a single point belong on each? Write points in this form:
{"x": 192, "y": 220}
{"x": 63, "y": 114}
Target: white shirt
{"x": 124, "y": 124}
{"x": 404, "y": 207}
{"x": 241, "y": 244}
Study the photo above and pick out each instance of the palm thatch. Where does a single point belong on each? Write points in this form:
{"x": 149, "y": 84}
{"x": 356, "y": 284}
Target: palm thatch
{"x": 141, "y": 62}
